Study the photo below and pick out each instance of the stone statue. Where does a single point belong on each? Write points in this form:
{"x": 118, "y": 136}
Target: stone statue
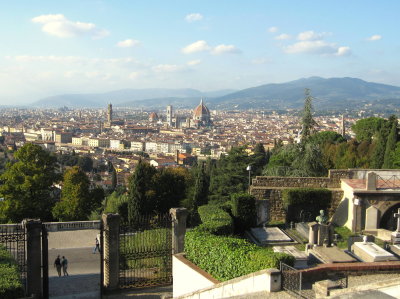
{"x": 321, "y": 219}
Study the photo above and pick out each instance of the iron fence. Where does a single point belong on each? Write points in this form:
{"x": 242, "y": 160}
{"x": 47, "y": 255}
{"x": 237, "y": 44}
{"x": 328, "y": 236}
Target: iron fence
{"x": 388, "y": 181}
{"x": 14, "y": 241}
{"x": 145, "y": 247}
{"x": 292, "y": 280}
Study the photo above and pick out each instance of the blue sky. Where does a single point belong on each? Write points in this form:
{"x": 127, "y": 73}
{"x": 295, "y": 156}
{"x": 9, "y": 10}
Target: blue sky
{"x": 82, "y": 46}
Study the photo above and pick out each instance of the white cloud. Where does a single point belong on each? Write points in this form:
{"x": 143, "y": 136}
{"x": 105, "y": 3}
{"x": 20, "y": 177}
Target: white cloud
{"x": 58, "y": 25}
{"x": 199, "y": 46}
{"x": 222, "y": 49}
{"x": 317, "y": 47}
{"x": 343, "y": 51}
{"x": 193, "y": 62}
{"x": 311, "y": 42}
{"x": 283, "y": 36}
{"x": 374, "y": 37}
{"x": 311, "y": 35}
{"x": 193, "y": 17}
{"x": 273, "y": 29}
{"x": 128, "y": 43}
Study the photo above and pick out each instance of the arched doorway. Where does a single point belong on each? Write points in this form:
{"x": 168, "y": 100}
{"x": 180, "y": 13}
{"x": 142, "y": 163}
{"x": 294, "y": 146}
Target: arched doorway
{"x": 387, "y": 220}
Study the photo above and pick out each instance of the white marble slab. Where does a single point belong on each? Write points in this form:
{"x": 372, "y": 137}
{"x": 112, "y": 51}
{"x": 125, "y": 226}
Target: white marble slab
{"x": 370, "y": 252}
{"x": 270, "y": 235}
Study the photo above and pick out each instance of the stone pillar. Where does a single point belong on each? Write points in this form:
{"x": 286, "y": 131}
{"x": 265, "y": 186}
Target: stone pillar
{"x": 274, "y": 282}
{"x": 33, "y": 257}
{"x": 371, "y": 180}
{"x": 313, "y": 233}
{"x": 179, "y": 216}
{"x": 111, "y": 250}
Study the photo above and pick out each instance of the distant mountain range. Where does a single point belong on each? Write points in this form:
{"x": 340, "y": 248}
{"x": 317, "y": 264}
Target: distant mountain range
{"x": 140, "y": 98}
{"x": 329, "y": 94}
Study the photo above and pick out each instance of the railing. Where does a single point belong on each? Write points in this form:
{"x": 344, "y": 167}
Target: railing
{"x": 10, "y": 228}
{"x": 72, "y": 225}
{"x": 55, "y": 226}
{"x": 388, "y": 182}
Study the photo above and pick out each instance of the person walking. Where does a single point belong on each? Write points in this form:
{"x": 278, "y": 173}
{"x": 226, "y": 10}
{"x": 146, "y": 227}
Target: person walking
{"x": 57, "y": 265}
{"x": 64, "y": 264}
{"x": 97, "y": 247}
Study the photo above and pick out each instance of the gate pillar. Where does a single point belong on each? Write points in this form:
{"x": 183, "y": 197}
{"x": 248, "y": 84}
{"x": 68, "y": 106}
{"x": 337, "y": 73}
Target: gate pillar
{"x": 33, "y": 257}
{"x": 179, "y": 216}
{"x": 111, "y": 250}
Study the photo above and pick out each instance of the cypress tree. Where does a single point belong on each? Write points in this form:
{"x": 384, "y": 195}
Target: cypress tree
{"x": 138, "y": 204}
{"x": 200, "y": 196}
{"x": 390, "y": 145}
{"x": 307, "y": 121}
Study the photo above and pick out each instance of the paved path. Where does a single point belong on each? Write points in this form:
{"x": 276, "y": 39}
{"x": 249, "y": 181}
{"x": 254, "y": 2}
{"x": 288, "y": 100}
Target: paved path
{"x": 80, "y": 261}
{"x": 72, "y": 238}
{"x": 75, "y": 286}
{"x": 84, "y": 274}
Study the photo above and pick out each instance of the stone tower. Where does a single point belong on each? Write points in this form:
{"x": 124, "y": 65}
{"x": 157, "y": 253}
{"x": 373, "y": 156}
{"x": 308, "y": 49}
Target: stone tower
{"x": 109, "y": 114}
{"x": 169, "y": 115}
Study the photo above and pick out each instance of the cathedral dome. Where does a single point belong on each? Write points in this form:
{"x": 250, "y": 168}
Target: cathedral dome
{"x": 201, "y": 112}
{"x": 153, "y": 116}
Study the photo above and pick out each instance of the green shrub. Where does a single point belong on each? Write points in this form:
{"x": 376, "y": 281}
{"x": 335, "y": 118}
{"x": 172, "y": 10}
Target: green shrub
{"x": 215, "y": 219}
{"x": 310, "y": 200}
{"x": 244, "y": 211}
{"x": 228, "y": 257}
{"x": 10, "y": 283}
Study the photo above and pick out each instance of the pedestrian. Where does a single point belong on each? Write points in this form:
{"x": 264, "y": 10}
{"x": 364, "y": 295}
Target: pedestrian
{"x": 97, "y": 247}
{"x": 57, "y": 265}
{"x": 64, "y": 264}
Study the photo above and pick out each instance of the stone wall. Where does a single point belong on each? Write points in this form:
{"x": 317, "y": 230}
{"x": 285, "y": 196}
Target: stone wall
{"x": 270, "y": 189}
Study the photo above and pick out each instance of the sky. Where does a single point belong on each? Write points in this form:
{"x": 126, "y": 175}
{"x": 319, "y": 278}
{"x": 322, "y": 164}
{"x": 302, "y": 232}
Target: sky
{"x": 86, "y": 46}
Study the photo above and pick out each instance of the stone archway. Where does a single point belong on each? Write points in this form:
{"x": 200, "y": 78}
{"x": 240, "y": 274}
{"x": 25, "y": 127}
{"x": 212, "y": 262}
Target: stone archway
{"x": 387, "y": 220}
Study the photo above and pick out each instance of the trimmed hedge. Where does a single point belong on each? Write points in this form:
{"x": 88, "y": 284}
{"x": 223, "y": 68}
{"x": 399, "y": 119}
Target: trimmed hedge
{"x": 215, "y": 219}
{"x": 10, "y": 283}
{"x": 227, "y": 257}
{"x": 310, "y": 200}
{"x": 244, "y": 211}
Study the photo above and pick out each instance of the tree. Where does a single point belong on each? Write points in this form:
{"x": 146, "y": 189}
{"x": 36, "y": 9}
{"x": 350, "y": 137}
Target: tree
{"x": 170, "y": 188}
{"x": 229, "y": 174}
{"x": 86, "y": 163}
{"x": 366, "y": 128}
{"x": 378, "y": 155}
{"x": 28, "y": 184}
{"x": 76, "y": 201}
{"x": 117, "y": 203}
{"x": 200, "y": 196}
{"x": 259, "y": 159}
{"x": 390, "y": 146}
{"x": 307, "y": 121}
{"x": 326, "y": 137}
{"x": 141, "y": 195}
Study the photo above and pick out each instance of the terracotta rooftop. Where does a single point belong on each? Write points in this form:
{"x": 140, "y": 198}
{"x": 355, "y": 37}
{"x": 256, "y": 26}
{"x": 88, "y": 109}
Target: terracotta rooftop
{"x": 380, "y": 184}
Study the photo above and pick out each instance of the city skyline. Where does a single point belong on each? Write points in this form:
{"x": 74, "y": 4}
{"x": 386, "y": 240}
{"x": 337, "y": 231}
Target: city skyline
{"x": 97, "y": 46}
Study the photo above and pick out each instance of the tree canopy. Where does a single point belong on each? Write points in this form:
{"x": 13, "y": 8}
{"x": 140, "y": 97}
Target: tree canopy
{"x": 27, "y": 185}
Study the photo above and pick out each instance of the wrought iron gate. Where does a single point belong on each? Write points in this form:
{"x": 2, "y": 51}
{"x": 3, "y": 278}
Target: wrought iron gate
{"x": 292, "y": 282}
{"x": 145, "y": 248}
{"x": 13, "y": 238}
